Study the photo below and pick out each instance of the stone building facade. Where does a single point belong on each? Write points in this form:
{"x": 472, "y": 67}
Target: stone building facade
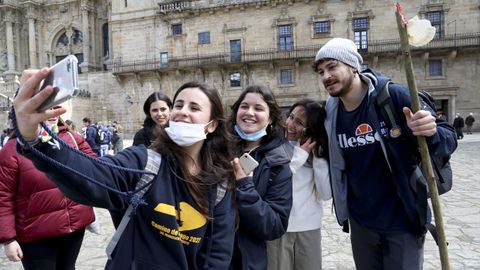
{"x": 130, "y": 48}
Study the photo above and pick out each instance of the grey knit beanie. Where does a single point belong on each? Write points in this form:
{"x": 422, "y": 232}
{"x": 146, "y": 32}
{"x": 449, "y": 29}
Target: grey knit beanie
{"x": 343, "y": 50}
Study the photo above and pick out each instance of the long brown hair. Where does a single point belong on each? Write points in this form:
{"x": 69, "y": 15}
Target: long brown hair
{"x": 276, "y": 127}
{"x": 214, "y": 156}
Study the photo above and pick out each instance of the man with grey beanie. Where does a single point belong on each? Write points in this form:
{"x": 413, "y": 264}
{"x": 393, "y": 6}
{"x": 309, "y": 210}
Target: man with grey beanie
{"x": 378, "y": 190}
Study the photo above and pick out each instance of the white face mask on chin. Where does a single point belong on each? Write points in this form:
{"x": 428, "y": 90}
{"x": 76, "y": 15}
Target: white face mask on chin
{"x": 186, "y": 134}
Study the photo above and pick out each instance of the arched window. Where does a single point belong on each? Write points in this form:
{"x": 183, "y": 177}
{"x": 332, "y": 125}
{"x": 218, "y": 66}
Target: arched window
{"x": 62, "y": 40}
{"x": 77, "y": 37}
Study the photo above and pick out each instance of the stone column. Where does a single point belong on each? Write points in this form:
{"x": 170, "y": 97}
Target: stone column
{"x": 10, "y": 45}
{"x": 452, "y": 107}
{"x": 32, "y": 43}
{"x": 86, "y": 36}
{"x": 93, "y": 60}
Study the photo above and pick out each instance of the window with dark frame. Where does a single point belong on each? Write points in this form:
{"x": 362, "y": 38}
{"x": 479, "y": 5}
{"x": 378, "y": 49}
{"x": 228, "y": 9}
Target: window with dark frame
{"x": 203, "y": 38}
{"x": 322, "y": 27}
{"x": 360, "y": 33}
{"x": 285, "y": 38}
{"x": 176, "y": 29}
{"x": 435, "y": 18}
{"x": 435, "y": 68}
{"x": 235, "y": 79}
{"x": 286, "y": 76}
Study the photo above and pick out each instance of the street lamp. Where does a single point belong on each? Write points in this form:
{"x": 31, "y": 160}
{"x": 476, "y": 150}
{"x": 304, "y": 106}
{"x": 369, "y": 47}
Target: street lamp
{"x": 455, "y": 31}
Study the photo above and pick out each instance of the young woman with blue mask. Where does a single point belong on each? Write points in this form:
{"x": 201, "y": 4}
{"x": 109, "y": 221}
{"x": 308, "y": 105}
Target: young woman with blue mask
{"x": 264, "y": 197}
{"x": 300, "y": 247}
{"x": 185, "y": 223}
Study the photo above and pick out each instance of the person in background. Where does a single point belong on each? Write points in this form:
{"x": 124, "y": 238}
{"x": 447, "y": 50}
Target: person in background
{"x": 188, "y": 219}
{"x": 90, "y": 133}
{"x": 103, "y": 138}
{"x": 157, "y": 112}
{"x": 71, "y": 126}
{"x": 379, "y": 192}
{"x": 117, "y": 137}
{"x": 39, "y": 225}
{"x": 300, "y": 247}
{"x": 459, "y": 124}
{"x": 469, "y": 120}
{"x": 264, "y": 197}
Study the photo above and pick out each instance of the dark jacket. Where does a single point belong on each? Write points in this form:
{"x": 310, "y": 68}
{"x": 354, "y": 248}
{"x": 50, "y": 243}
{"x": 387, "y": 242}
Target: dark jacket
{"x": 458, "y": 122}
{"x": 469, "y": 120}
{"x": 401, "y": 152}
{"x": 32, "y": 208}
{"x": 264, "y": 202}
{"x": 154, "y": 238}
{"x": 145, "y": 135}
{"x": 90, "y": 137}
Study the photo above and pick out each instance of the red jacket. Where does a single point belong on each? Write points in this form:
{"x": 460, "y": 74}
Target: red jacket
{"x": 31, "y": 206}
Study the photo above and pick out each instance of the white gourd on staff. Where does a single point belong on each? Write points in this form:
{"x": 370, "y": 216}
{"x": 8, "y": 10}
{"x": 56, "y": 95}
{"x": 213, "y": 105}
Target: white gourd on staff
{"x": 419, "y": 32}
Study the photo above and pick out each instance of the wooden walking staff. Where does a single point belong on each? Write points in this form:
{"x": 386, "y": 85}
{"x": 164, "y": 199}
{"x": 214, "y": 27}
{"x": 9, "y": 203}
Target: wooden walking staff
{"x": 426, "y": 162}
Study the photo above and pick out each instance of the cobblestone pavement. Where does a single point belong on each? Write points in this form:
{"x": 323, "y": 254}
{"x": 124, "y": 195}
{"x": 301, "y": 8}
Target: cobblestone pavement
{"x": 461, "y": 211}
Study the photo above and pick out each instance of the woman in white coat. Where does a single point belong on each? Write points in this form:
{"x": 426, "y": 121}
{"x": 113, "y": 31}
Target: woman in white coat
{"x": 300, "y": 247}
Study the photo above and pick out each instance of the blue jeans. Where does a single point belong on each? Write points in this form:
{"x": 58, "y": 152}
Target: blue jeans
{"x": 104, "y": 149}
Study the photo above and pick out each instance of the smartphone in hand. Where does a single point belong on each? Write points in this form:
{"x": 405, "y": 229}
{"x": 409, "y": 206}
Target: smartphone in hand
{"x": 248, "y": 163}
{"x": 64, "y": 79}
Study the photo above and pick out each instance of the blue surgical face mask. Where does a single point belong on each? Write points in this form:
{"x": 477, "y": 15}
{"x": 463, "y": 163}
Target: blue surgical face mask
{"x": 251, "y": 137}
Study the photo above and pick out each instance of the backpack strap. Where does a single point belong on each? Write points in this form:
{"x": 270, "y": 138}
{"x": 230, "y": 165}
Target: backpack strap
{"x": 153, "y": 165}
{"x": 384, "y": 101}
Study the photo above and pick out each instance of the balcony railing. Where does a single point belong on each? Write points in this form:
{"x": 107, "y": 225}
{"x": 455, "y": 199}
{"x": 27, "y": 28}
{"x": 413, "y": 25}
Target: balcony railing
{"x": 471, "y": 40}
{"x": 121, "y": 66}
{"x": 174, "y": 6}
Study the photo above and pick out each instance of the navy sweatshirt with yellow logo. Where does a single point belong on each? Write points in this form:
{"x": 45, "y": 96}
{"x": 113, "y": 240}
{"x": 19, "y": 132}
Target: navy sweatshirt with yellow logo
{"x": 167, "y": 233}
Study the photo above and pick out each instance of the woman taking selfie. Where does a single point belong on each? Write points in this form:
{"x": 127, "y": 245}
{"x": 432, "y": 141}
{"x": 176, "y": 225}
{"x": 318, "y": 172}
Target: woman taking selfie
{"x": 184, "y": 223}
{"x": 300, "y": 247}
{"x": 263, "y": 197}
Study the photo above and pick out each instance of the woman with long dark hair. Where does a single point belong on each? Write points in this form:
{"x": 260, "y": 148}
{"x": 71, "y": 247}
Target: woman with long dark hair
{"x": 264, "y": 197}
{"x": 187, "y": 221}
{"x": 300, "y": 247}
{"x": 157, "y": 109}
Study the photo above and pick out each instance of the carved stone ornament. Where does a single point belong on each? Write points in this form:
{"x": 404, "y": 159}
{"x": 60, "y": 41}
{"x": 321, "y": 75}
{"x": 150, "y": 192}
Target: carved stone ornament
{"x": 63, "y": 8}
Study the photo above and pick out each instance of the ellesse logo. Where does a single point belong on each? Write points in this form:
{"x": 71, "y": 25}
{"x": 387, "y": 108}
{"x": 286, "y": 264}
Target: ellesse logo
{"x": 364, "y": 135}
{"x": 363, "y": 129}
